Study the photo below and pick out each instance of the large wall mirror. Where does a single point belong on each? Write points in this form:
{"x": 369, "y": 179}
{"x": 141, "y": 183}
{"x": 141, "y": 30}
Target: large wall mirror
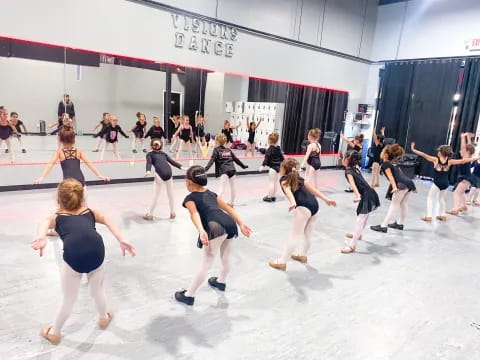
{"x": 99, "y": 94}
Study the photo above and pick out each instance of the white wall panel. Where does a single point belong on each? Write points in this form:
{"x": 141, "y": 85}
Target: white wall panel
{"x": 311, "y": 21}
{"x": 203, "y": 7}
{"x": 366, "y": 44}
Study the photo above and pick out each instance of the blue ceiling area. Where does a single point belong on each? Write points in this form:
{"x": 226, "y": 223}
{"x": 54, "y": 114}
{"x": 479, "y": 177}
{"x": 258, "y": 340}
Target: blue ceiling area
{"x": 386, "y": 2}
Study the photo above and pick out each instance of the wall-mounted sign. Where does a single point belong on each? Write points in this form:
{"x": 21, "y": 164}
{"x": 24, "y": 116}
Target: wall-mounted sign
{"x": 204, "y": 36}
{"x": 473, "y": 44}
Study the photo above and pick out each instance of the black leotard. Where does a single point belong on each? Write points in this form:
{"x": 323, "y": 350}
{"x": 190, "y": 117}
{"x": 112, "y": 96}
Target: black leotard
{"x": 464, "y": 173}
{"x": 139, "y": 129}
{"x": 314, "y": 158}
{"x": 160, "y": 162}
{"x": 215, "y": 221}
{"x": 112, "y": 133}
{"x": 251, "y": 136}
{"x": 155, "y": 132}
{"x": 273, "y": 158}
{"x": 185, "y": 134}
{"x": 440, "y": 174}
{"x": 83, "y": 248}
{"x": 223, "y": 159}
{"x": 71, "y": 166}
{"x": 402, "y": 181}
{"x": 18, "y": 126}
{"x": 303, "y": 197}
{"x": 228, "y": 134}
{"x": 369, "y": 198}
{"x": 200, "y": 130}
{"x": 5, "y": 132}
{"x": 376, "y": 151}
{"x": 102, "y": 130}
{"x": 476, "y": 174}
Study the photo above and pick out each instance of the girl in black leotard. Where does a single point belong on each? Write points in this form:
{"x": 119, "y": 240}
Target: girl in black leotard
{"x": 185, "y": 134}
{"x": 312, "y": 158}
{"x": 163, "y": 176}
{"x": 200, "y": 121}
{"x": 83, "y": 253}
{"x": 302, "y": 199}
{"x": 228, "y": 131}
{"x": 355, "y": 145}
{"x": 475, "y": 190}
{"x": 156, "y": 131}
{"x": 273, "y": 159}
{"x": 365, "y": 196}
{"x": 111, "y": 136}
{"x": 176, "y": 120}
{"x": 104, "y": 124}
{"x": 377, "y": 148}
{"x": 441, "y": 166}
{"x": 20, "y": 127}
{"x": 6, "y": 131}
{"x": 252, "y": 128}
{"x": 216, "y": 223}
{"x": 139, "y": 132}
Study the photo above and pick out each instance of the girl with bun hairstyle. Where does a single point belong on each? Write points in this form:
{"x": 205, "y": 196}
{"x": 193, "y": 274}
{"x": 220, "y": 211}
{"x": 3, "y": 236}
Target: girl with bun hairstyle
{"x": 303, "y": 203}
{"x": 312, "y": 158}
{"x": 216, "y": 223}
{"x": 365, "y": 196}
{"x": 398, "y": 191}
{"x": 83, "y": 253}
{"x": 273, "y": 159}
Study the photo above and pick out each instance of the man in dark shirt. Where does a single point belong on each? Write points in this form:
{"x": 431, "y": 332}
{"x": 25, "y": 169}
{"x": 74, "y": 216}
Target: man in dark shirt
{"x": 66, "y": 106}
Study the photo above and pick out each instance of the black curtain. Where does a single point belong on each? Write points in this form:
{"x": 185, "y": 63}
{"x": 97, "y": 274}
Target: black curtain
{"x": 266, "y": 91}
{"x": 195, "y": 82}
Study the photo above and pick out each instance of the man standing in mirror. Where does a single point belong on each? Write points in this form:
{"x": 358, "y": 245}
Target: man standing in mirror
{"x": 66, "y": 106}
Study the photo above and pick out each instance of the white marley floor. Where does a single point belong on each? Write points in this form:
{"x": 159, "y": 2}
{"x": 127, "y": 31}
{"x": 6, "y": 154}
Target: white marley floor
{"x": 403, "y": 295}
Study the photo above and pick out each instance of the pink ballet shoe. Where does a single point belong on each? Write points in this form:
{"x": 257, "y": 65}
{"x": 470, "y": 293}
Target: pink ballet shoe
{"x": 300, "y": 258}
{"x": 274, "y": 264}
{"x": 104, "y": 322}
{"x": 347, "y": 250}
{"x": 53, "y": 338}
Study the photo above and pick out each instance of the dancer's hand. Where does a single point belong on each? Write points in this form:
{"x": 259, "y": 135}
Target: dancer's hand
{"x": 245, "y": 230}
{"x": 204, "y": 238}
{"x": 412, "y": 145}
{"x": 330, "y": 202}
{"x": 38, "y": 181}
{"x": 148, "y": 173}
{"x": 126, "y": 246}
{"x": 357, "y": 199}
{"x": 394, "y": 190}
{"x": 260, "y": 169}
{"x": 39, "y": 243}
{"x": 292, "y": 207}
{"x": 106, "y": 179}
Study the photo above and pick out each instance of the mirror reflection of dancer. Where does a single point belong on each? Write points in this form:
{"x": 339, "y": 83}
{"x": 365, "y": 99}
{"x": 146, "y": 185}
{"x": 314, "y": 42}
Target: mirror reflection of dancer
{"x": 273, "y": 159}
{"x": 176, "y": 120}
{"x": 185, "y": 134}
{"x": 252, "y": 128}
{"x": 312, "y": 158}
{"x": 156, "y": 131}
{"x": 6, "y": 131}
{"x": 200, "y": 121}
{"x": 377, "y": 148}
{"x": 104, "y": 124}
{"x": 139, "y": 132}
{"x": 441, "y": 166}
{"x": 223, "y": 158}
{"x": 18, "y": 124}
{"x": 216, "y": 223}
{"x": 365, "y": 196}
{"x": 111, "y": 132}
{"x": 228, "y": 131}
{"x": 83, "y": 253}
{"x": 163, "y": 176}
{"x": 465, "y": 178}
{"x": 399, "y": 190}
{"x": 302, "y": 200}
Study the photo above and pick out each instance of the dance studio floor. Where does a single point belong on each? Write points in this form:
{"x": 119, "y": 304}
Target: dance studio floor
{"x": 403, "y": 295}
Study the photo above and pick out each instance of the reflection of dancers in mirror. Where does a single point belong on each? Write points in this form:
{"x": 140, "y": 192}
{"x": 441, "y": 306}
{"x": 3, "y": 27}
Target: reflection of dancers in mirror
{"x": 200, "y": 122}
{"x": 156, "y": 130}
{"x": 139, "y": 132}
{"x": 273, "y": 159}
{"x": 303, "y": 203}
{"x": 21, "y": 129}
{"x": 185, "y": 135}
{"x": 83, "y": 253}
{"x": 377, "y": 148}
{"x": 111, "y": 132}
{"x": 355, "y": 145}
{"x": 312, "y": 158}
{"x": 163, "y": 176}
{"x": 216, "y": 223}
{"x": 399, "y": 190}
{"x": 228, "y": 131}
{"x": 252, "y": 128}
{"x": 176, "y": 120}
{"x": 465, "y": 179}
{"x": 441, "y": 166}
{"x": 104, "y": 124}
{"x": 224, "y": 159}
{"x": 365, "y": 196}
{"x": 6, "y": 131}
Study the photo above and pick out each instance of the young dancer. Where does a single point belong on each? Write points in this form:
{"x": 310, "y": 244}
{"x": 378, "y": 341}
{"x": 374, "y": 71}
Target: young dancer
{"x": 83, "y": 253}
{"x": 252, "y": 128}
{"x": 156, "y": 130}
{"x": 139, "y": 132}
{"x": 302, "y": 201}
{"x": 398, "y": 191}
{"x": 176, "y": 120}
{"x": 200, "y": 121}
{"x": 6, "y": 131}
{"x": 377, "y": 148}
{"x": 465, "y": 178}
{"x": 104, "y": 124}
{"x": 355, "y": 145}
{"x": 185, "y": 133}
{"x": 475, "y": 190}
{"x": 312, "y": 158}
{"x": 163, "y": 176}
{"x": 111, "y": 133}
{"x": 228, "y": 131}
{"x": 18, "y": 124}
{"x": 224, "y": 168}
{"x": 216, "y": 223}
{"x": 441, "y": 166}
{"x": 273, "y": 159}
{"x": 365, "y": 196}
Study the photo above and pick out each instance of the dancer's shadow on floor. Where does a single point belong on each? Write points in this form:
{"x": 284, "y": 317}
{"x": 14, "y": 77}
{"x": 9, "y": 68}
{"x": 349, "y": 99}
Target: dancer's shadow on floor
{"x": 379, "y": 251}
{"x": 206, "y": 328}
{"x": 129, "y": 217}
{"x": 311, "y": 279}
